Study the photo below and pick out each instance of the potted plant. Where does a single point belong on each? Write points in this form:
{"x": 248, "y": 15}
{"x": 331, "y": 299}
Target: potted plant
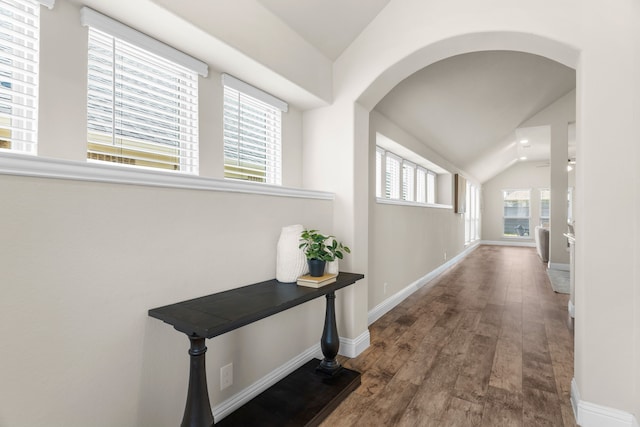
{"x": 319, "y": 249}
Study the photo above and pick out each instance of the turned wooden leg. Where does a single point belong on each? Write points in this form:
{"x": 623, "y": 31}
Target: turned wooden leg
{"x": 197, "y": 412}
{"x": 330, "y": 341}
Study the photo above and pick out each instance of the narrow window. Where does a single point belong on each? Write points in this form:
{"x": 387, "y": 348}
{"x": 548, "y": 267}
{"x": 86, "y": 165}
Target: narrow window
{"x": 252, "y": 133}
{"x": 431, "y": 187}
{"x": 421, "y": 185}
{"x": 408, "y": 181}
{"x": 392, "y": 177}
{"x": 516, "y": 204}
{"x": 545, "y": 206}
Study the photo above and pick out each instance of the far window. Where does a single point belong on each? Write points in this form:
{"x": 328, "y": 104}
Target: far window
{"x": 408, "y": 181}
{"x": 545, "y": 205}
{"x": 516, "y": 208}
{"x": 392, "y": 176}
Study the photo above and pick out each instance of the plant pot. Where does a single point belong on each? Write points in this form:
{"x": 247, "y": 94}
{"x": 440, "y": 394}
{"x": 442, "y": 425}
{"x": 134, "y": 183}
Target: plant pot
{"x": 316, "y": 267}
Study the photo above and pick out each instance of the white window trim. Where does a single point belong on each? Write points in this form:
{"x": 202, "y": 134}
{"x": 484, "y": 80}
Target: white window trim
{"x": 48, "y": 3}
{"x": 41, "y": 167}
{"x": 91, "y": 18}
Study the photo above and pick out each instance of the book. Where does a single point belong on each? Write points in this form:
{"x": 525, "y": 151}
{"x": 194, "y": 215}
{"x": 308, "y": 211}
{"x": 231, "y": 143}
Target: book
{"x": 316, "y": 282}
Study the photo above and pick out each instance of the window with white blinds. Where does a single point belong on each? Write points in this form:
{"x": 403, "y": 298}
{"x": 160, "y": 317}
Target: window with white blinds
{"x": 142, "y": 106}
{"x": 252, "y": 134}
{"x": 408, "y": 181}
{"x": 392, "y": 176}
{"x": 19, "y": 56}
{"x": 421, "y": 189}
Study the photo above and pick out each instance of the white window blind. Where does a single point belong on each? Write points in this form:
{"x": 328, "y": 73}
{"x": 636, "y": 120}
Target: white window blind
{"x": 408, "y": 181}
{"x": 142, "y": 107}
{"x": 252, "y": 138}
{"x": 19, "y": 56}
{"x": 392, "y": 176}
{"x": 421, "y": 187}
{"x": 431, "y": 187}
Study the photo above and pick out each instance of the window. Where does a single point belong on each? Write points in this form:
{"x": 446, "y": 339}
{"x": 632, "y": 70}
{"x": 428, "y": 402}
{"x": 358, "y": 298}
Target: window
{"x": 142, "y": 103}
{"x": 472, "y": 214}
{"x": 392, "y": 176}
{"x": 400, "y": 179}
{"x": 19, "y": 56}
{"x": 421, "y": 188}
{"x": 408, "y": 181}
{"x": 431, "y": 187}
{"x": 545, "y": 205}
{"x": 516, "y": 213}
{"x": 252, "y": 133}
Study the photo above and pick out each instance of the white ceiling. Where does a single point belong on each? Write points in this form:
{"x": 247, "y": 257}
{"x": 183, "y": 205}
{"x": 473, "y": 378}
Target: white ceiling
{"x": 469, "y": 105}
{"x": 329, "y": 25}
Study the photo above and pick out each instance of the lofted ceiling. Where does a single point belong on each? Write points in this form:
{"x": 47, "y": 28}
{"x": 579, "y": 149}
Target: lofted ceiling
{"x": 469, "y": 105}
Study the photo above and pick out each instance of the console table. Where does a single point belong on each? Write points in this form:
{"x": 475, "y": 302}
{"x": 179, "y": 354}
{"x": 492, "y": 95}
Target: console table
{"x": 219, "y": 313}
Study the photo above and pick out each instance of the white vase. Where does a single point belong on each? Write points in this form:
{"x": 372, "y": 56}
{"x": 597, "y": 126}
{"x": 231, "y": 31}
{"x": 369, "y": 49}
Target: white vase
{"x": 332, "y": 267}
{"x": 291, "y": 262}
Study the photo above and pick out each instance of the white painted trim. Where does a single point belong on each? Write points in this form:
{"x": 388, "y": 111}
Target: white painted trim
{"x": 384, "y": 201}
{"x": 41, "y": 167}
{"x": 243, "y": 396}
{"x": 571, "y": 309}
{"x": 529, "y": 244}
{"x": 385, "y": 306}
{"x": 558, "y": 266}
{"x": 353, "y": 347}
{"x": 93, "y": 19}
{"x": 591, "y": 415}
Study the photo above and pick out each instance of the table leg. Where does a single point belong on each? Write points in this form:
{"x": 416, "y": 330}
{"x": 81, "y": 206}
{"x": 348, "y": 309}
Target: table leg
{"x": 197, "y": 412}
{"x": 330, "y": 341}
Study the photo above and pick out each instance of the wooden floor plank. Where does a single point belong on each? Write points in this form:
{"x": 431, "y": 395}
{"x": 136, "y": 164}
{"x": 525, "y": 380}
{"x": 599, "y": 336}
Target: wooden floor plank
{"x": 484, "y": 344}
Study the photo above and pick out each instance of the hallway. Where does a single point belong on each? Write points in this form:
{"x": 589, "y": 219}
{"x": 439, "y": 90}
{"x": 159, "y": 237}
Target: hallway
{"x": 484, "y": 344}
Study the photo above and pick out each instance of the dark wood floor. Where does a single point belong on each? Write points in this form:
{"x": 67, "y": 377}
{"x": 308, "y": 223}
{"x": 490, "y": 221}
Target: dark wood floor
{"x": 486, "y": 345}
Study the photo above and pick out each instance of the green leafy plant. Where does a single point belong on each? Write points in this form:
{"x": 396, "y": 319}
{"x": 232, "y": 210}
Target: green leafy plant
{"x": 321, "y": 247}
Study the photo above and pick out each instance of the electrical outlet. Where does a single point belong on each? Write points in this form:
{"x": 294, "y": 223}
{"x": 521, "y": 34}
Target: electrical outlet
{"x": 385, "y": 288}
{"x": 226, "y": 376}
{"x": 445, "y": 255}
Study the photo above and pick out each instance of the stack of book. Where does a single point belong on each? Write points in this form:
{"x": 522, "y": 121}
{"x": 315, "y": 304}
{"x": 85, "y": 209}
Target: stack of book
{"x": 316, "y": 282}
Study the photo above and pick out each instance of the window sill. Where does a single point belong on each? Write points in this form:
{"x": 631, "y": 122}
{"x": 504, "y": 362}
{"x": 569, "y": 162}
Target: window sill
{"x": 41, "y": 167}
{"x": 384, "y": 201}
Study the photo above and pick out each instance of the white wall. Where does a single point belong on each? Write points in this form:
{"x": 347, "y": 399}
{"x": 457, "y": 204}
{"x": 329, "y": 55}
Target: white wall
{"x": 533, "y": 176}
{"x": 407, "y": 242}
{"x": 82, "y": 262}
{"x": 601, "y": 43}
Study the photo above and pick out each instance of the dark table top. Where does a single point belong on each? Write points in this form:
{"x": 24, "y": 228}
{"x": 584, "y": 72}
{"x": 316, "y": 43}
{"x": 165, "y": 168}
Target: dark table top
{"x": 222, "y": 312}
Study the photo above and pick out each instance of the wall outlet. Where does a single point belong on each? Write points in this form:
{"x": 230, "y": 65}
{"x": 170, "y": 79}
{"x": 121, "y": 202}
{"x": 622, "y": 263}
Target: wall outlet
{"x": 445, "y": 255}
{"x": 385, "y": 288}
{"x": 226, "y": 376}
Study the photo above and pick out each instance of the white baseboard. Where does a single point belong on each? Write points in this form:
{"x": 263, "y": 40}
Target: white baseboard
{"x": 529, "y": 244}
{"x": 385, "y": 306}
{"x": 572, "y": 309}
{"x": 237, "y": 400}
{"x": 353, "y": 347}
{"x": 591, "y": 415}
{"x": 558, "y": 266}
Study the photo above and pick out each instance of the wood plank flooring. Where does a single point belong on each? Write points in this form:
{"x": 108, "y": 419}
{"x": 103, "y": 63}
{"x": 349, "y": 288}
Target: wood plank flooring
{"x": 488, "y": 344}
